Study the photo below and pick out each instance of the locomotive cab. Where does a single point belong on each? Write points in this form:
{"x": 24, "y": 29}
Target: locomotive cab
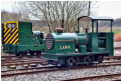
{"x": 98, "y": 41}
{"x": 72, "y": 49}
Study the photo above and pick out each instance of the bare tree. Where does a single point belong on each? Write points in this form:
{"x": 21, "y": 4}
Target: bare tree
{"x": 12, "y": 16}
{"x": 53, "y": 12}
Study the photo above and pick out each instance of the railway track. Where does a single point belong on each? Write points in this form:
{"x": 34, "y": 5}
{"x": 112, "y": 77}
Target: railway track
{"x": 28, "y": 61}
{"x": 6, "y": 58}
{"x": 112, "y": 57}
{"x": 97, "y": 77}
{"x": 52, "y": 69}
{"x": 8, "y": 61}
{"x": 43, "y": 67}
{"x": 17, "y": 61}
{"x": 31, "y": 62}
{"x": 117, "y": 48}
{"x": 47, "y": 67}
{"x": 13, "y": 56}
{"x": 13, "y": 60}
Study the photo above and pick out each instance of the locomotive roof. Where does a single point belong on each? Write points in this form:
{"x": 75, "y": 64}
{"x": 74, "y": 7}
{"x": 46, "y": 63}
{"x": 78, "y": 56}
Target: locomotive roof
{"x": 86, "y": 18}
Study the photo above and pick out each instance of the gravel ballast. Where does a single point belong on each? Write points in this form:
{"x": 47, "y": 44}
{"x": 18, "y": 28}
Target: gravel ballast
{"x": 68, "y": 74}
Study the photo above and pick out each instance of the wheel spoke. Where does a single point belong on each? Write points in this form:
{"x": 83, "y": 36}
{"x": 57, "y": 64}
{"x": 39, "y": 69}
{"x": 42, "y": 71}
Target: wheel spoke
{"x": 88, "y": 60}
{"x": 72, "y": 61}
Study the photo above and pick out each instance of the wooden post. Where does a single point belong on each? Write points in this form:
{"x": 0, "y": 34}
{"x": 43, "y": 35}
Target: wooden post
{"x": 89, "y": 8}
{"x": 62, "y": 26}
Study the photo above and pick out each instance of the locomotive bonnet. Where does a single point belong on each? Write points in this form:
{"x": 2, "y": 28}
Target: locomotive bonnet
{"x": 65, "y": 42}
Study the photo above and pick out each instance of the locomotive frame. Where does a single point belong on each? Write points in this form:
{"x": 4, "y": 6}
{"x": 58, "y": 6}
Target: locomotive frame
{"x": 91, "y": 47}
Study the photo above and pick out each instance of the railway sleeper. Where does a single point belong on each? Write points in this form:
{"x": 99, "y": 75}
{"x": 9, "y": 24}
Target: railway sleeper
{"x": 12, "y": 67}
{"x": 44, "y": 63}
{"x": 33, "y": 65}
{"x": 25, "y": 65}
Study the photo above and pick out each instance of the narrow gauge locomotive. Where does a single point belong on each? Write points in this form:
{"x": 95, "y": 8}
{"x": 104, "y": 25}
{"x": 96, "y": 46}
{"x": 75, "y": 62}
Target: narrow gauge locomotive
{"x": 19, "y": 39}
{"x": 72, "y": 49}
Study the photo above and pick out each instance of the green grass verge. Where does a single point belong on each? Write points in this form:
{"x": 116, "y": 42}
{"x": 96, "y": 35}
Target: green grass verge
{"x": 117, "y": 32}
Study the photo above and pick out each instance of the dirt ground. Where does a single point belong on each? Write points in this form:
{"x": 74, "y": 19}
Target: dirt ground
{"x": 117, "y": 37}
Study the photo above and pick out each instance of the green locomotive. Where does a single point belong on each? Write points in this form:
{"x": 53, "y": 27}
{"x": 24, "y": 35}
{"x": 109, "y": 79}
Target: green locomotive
{"x": 72, "y": 49}
{"x": 18, "y": 38}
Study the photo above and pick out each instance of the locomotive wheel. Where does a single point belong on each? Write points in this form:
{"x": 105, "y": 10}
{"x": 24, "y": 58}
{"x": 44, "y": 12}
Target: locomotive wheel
{"x": 23, "y": 53}
{"x": 72, "y": 61}
{"x": 32, "y": 52}
{"x": 88, "y": 60}
{"x": 18, "y": 54}
{"x": 38, "y": 53}
{"x": 100, "y": 59}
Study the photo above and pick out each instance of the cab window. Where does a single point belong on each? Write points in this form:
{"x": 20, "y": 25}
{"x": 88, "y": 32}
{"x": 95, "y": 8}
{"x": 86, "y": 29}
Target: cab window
{"x": 11, "y": 25}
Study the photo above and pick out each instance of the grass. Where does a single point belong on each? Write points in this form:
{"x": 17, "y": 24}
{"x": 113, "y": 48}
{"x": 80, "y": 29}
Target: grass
{"x": 117, "y": 32}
